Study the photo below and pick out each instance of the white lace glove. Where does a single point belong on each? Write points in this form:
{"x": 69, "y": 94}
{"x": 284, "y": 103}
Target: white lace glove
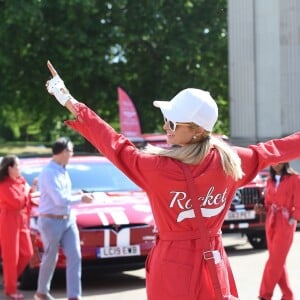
{"x": 56, "y": 87}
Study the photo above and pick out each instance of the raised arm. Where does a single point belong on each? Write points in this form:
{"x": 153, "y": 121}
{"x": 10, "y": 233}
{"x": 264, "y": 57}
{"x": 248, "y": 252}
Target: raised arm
{"x": 117, "y": 148}
{"x": 57, "y": 88}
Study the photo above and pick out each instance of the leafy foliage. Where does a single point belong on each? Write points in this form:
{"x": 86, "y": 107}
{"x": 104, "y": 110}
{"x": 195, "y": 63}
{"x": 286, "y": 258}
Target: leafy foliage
{"x": 152, "y": 49}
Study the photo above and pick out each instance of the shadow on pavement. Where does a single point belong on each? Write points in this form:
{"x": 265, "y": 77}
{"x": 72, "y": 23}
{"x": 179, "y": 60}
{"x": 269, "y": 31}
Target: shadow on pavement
{"x": 93, "y": 283}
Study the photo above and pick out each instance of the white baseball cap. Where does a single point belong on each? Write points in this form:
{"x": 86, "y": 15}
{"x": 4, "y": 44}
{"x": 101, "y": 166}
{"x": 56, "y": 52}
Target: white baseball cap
{"x": 191, "y": 105}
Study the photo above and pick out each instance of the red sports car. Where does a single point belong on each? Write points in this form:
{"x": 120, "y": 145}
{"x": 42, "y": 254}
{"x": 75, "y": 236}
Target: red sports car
{"x": 116, "y": 230}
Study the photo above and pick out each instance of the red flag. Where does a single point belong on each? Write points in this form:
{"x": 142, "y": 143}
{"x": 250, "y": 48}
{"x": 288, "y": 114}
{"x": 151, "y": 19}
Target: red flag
{"x": 129, "y": 120}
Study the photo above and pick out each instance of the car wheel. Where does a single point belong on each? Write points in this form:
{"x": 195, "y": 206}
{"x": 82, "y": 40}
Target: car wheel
{"x": 257, "y": 240}
{"x": 28, "y": 279}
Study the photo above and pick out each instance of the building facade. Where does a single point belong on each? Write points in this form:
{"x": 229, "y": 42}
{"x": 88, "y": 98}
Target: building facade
{"x": 264, "y": 69}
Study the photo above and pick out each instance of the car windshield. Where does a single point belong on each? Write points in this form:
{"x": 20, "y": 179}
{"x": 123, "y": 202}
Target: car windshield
{"x": 90, "y": 177}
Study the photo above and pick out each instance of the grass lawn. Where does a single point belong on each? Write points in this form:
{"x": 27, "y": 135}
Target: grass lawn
{"x": 24, "y": 150}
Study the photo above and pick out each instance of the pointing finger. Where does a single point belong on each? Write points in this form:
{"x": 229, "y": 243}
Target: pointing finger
{"x": 51, "y": 69}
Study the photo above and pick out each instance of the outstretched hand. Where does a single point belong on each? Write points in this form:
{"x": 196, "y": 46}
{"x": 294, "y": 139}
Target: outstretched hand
{"x": 56, "y": 86}
{"x": 87, "y": 198}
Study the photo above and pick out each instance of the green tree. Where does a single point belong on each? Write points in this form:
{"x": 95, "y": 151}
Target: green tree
{"x": 152, "y": 49}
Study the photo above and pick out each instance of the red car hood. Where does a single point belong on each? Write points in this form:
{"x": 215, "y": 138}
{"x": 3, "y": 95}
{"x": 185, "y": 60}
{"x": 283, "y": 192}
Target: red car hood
{"x": 120, "y": 208}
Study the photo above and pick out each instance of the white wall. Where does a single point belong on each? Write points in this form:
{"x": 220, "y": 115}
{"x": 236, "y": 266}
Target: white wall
{"x": 264, "y": 69}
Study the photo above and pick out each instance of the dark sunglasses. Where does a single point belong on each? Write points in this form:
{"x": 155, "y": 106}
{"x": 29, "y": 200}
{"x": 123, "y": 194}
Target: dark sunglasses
{"x": 172, "y": 125}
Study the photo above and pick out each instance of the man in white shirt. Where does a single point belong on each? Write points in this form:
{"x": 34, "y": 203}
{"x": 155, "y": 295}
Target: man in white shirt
{"x": 57, "y": 224}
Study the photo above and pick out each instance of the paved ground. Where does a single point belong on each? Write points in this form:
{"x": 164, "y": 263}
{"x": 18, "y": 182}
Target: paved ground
{"x": 247, "y": 265}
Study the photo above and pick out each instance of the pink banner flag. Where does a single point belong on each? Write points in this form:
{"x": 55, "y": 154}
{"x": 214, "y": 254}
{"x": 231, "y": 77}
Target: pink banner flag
{"x": 129, "y": 120}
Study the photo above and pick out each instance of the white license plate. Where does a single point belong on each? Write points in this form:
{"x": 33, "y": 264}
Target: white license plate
{"x": 119, "y": 251}
{"x": 240, "y": 215}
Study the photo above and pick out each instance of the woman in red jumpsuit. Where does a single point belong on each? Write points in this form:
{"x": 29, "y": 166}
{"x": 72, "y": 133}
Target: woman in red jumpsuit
{"x": 177, "y": 267}
{"x": 16, "y": 246}
{"x": 282, "y": 202}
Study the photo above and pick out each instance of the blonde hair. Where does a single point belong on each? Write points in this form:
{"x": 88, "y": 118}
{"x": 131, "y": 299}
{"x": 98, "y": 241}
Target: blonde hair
{"x": 195, "y": 153}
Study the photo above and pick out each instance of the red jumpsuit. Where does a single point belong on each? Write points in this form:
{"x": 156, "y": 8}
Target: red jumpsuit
{"x": 281, "y": 203}
{"x": 176, "y": 268}
{"x": 16, "y": 246}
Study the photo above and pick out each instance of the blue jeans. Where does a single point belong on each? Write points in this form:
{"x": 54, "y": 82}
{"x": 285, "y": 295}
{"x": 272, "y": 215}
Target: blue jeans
{"x": 56, "y": 233}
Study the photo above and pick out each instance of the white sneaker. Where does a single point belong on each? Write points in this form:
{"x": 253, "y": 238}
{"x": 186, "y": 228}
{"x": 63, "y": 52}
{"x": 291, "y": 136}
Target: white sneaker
{"x": 38, "y": 296}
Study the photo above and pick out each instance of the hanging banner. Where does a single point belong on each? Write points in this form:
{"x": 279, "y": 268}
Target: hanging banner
{"x": 129, "y": 120}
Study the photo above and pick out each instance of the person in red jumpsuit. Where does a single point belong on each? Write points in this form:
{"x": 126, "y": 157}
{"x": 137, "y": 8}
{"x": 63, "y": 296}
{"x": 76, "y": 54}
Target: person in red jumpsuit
{"x": 282, "y": 204}
{"x": 16, "y": 246}
{"x": 177, "y": 267}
